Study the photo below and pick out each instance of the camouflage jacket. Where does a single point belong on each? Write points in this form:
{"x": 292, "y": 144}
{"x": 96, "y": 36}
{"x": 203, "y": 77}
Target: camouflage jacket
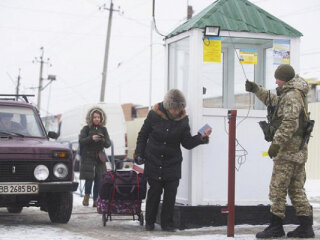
{"x": 290, "y": 104}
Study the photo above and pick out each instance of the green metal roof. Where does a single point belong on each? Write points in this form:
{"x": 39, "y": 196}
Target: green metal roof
{"x": 238, "y": 16}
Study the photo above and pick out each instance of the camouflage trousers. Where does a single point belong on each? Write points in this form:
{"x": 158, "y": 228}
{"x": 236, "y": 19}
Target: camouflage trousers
{"x": 288, "y": 178}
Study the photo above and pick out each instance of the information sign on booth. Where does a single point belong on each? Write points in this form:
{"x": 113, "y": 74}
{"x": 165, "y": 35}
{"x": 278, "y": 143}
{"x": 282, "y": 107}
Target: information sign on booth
{"x": 212, "y": 49}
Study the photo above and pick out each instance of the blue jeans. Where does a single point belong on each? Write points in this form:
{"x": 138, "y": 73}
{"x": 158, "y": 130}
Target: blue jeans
{"x": 88, "y": 186}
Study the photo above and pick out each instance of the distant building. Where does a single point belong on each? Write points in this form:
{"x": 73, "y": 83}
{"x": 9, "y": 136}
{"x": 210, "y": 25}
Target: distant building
{"x": 313, "y": 95}
{"x": 132, "y": 111}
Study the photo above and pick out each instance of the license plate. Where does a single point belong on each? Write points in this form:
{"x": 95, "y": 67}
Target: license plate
{"x": 19, "y": 188}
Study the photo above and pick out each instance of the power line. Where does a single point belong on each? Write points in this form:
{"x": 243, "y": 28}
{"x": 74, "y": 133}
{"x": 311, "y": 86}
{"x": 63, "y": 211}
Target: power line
{"x": 136, "y": 6}
{"x": 73, "y": 90}
{"x": 50, "y": 31}
{"x": 260, "y": 1}
{"x": 302, "y": 11}
{"x": 137, "y": 71}
{"x": 44, "y": 11}
{"x": 11, "y": 78}
{"x": 154, "y": 20}
{"x": 135, "y": 20}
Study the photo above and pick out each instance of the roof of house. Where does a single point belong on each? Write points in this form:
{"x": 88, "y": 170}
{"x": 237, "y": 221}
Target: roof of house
{"x": 237, "y": 16}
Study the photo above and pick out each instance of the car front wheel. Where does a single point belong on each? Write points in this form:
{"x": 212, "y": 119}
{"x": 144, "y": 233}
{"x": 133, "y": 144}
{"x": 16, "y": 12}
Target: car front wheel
{"x": 60, "y": 207}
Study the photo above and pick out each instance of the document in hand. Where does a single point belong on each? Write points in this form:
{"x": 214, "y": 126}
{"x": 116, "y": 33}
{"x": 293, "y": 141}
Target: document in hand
{"x": 204, "y": 128}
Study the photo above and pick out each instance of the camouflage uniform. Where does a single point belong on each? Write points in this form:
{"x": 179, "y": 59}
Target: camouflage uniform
{"x": 289, "y": 165}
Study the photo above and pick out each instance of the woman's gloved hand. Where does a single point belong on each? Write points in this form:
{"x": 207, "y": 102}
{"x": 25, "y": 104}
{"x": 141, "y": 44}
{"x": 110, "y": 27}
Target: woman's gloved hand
{"x": 205, "y": 139}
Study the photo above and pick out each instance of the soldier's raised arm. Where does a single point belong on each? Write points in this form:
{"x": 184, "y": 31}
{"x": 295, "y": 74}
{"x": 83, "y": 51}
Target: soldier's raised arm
{"x": 263, "y": 94}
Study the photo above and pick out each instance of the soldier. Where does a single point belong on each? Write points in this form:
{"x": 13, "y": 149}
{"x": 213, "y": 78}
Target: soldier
{"x": 287, "y": 150}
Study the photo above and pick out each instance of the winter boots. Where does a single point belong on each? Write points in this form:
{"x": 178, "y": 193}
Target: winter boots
{"x": 149, "y": 226}
{"x": 274, "y": 230}
{"x": 85, "y": 201}
{"x": 304, "y": 230}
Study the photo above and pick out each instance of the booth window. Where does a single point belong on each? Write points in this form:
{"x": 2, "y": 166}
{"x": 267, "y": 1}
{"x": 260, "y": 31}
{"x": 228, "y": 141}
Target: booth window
{"x": 212, "y": 79}
{"x": 242, "y": 99}
{"x": 179, "y": 64}
{"x": 270, "y": 69}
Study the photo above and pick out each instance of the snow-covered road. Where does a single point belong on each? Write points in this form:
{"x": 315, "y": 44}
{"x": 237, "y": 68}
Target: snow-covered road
{"x": 86, "y": 224}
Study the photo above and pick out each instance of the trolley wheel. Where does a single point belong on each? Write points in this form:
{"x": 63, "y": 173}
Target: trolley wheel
{"x": 104, "y": 219}
{"x": 141, "y": 219}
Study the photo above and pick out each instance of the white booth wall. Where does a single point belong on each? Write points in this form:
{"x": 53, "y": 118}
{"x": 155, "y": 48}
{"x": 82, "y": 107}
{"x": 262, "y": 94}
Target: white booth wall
{"x": 205, "y": 168}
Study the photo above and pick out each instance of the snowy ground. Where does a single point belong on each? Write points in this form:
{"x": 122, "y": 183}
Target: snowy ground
{"x": 85, "y": 224}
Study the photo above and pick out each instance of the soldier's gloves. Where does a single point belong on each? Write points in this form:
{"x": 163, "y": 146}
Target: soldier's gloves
{"x": 251, "y": 86}
{"x": 273, "y": 150}
{"x": 139, "y": 160}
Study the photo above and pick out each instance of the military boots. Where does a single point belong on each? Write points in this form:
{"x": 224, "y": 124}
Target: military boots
{"x": 274, "y": 230}
{"x": 304, "y": 230}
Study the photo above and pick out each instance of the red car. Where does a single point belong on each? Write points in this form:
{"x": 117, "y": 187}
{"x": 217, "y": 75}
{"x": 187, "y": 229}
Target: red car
{"x": 34, "y": 172}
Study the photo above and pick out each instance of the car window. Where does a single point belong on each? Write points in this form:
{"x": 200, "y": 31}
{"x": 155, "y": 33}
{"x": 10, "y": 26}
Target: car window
{"x": 20, "y": 120}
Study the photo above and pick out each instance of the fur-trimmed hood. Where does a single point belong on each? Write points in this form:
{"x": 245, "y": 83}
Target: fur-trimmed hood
{"x": 161, "y": 111}
{"x": 89, "y": 116}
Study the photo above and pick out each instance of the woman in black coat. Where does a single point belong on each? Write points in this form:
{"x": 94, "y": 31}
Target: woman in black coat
{"x": 93, "y": 138}
{"x": 158, "y": 146}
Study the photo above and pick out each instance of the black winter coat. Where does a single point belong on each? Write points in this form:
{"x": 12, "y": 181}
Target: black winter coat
{"x": 159, "y": 144}
{"x": 89, "y": 151}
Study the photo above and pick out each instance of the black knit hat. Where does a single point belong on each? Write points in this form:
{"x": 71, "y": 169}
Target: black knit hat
{"x": 174, "y": 99}
{"x": 284, "y": 72}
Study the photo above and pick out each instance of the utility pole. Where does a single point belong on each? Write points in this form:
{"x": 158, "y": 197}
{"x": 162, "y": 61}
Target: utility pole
{"x": 18, "y": 84}
{"x": 40, "y": 88}
{"x": 106, "y": 53}
{"x": 40, "y": 78}
{"x": 151, "y": 54}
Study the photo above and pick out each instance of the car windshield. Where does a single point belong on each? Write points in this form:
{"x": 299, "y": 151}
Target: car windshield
{"x": 20, "y": 121}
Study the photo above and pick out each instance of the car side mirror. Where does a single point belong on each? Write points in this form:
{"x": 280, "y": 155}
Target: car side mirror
{"x": 53, "y": 135}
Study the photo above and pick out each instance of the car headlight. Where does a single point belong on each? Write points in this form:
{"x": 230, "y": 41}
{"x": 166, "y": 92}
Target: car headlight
{"x": 41, "y": 172}
{"x": 60, "y": 170}
{"x": 60, "y": 154}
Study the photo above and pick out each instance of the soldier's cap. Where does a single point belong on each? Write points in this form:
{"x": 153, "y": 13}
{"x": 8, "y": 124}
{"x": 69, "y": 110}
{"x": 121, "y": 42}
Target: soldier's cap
{"x": 284, "y": 72}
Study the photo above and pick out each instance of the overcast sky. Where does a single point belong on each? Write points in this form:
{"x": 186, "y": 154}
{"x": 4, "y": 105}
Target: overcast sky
{"x": 73, "y": 34}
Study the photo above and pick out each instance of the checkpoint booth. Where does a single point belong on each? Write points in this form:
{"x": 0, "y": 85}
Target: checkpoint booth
{"x": 209, "y": 58}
